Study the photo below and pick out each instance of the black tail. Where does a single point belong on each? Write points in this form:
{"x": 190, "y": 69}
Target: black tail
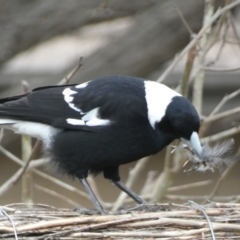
{"x": 9, "y": 99}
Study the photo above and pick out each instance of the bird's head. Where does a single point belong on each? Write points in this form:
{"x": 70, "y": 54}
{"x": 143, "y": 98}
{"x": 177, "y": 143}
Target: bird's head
{"x": 184, "y": 121}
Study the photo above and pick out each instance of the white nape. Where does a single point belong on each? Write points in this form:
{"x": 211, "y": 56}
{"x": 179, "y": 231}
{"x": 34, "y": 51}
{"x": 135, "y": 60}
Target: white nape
{"x": 158, "y": 97}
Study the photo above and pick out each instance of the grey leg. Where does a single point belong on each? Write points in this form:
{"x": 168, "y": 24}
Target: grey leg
{"x": 92, "y": 196}
{"x": 129, "y": 192}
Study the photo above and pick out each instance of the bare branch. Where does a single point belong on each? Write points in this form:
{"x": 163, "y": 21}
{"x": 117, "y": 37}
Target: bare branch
{"x": 57, "y": 195}
{"x": 184, "y": 21}
{"x": 219, "y": 136}
{"x": 212, "y": 69}
{"x": 194, "y": 41}
{"x": 219, "y": 181}
{"x": 223, "y": 101}
{"x": 222, "y": 115}
{"x": 67, "y": 79}
{"x": 190, "y": 185}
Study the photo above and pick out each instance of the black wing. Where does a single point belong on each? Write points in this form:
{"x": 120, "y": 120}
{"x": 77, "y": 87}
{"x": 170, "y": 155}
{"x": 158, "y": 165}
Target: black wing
{"x": 87, "y": 106}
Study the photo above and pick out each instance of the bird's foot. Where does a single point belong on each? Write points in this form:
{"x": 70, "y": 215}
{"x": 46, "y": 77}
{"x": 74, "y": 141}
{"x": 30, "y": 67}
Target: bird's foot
{"x": 87, "y": 211}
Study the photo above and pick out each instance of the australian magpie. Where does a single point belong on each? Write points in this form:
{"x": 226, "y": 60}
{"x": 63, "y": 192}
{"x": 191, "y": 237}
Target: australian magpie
{"x": 101, "y": 124}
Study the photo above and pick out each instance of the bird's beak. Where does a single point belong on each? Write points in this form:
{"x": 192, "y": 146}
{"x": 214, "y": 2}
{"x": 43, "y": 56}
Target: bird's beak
{"x": 195, "y": 143}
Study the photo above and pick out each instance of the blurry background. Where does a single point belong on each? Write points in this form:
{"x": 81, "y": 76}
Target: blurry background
{"x": 41, "y": 41}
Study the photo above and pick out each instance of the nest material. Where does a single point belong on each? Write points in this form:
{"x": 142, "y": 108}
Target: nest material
{"x": 173, "y": 221}
{"x": 215, "y": 157}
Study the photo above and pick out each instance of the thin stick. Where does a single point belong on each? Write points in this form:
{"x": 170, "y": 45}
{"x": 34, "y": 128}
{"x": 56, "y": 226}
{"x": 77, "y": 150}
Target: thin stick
{"x": 61, "y": 184}
{"x": 206, "y": 216}
{"x": 187, "y": 71}
{"x": 222, "y": 115}
{"x": 149, "y": 182}
{"x": 204, "y": 42}
{"x": 12, "y": 180}
{"x": 163, "y": 181}
{"x": 26, "y": 144}
{"x": 7, "y": 185}
{"x": 57, "y": 195}
{"x": 11, "y": 156}
{"x": 184, "y": 21}
{"x": 190, "y": 185}
{"x": 1, "y": 134}
{"x": 212, "y": 69}
{"x": 36, "y": 147}
{"x": 224, "y": 100}
{"x": 3, "y": 212}
{"x": 235, "y": 31}
{"x": 215, "y": 16}
{"x": 172, "y": 197}
{"x": 219, "y": 181}
{"x": 213, "y": 117}
{"x": 224, "y": 39}
{"x": 100, "y": 225}
{"x": 224, "y": 134}
{"x": 67, "y": 79}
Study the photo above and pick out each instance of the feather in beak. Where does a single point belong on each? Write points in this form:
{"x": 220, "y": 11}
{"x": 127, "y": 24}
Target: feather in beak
{"x": 212, "y": 157}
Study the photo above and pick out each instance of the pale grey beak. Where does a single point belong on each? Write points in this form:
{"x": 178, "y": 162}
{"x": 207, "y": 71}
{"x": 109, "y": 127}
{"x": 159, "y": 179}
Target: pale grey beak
{"x": 195, "y": 143}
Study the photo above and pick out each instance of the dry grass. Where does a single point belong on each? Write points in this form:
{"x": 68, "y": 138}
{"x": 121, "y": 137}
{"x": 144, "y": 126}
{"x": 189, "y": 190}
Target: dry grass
{"x": 168, "y": 221}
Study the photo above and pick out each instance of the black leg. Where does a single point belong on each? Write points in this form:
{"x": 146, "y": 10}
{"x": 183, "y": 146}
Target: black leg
{"x": 92, "y": 196}
{"x": 130, "y": 193}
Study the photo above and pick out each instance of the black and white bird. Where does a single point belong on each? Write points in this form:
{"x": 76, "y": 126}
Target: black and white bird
{"x": 101, "y": 124}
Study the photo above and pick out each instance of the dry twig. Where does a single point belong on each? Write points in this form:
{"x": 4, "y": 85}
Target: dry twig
{"x": 178, "y": 221}
{"x": 194, "y": 41}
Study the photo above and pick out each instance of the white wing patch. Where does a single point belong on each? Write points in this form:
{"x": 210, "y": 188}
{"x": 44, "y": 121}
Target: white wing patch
{"x": 74, "y": 121}
{"x": 67, "y": 94}
{"x": 158, "y": 97}
{"x": 68, "y": 98}
{"x": 90, "y": 119}
{"x": 93, "y": 114}
{"x": 82, "y": 85}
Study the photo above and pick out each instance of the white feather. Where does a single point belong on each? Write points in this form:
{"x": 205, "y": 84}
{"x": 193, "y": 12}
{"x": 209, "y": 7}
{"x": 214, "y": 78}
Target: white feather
{"x": 69, "y": 98}
{"x": 6, "y": 121}
{"x": 158, "y": 97}
{"x": 74, "y": 121}
{"x": 98, "y": 122}
{"x": 93, "y": 114}
{"x": 37, "y": 130}
{"x": 67, "y": 95}
{"x": 90, "y": 119}
{"x": 82, "y": 85}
